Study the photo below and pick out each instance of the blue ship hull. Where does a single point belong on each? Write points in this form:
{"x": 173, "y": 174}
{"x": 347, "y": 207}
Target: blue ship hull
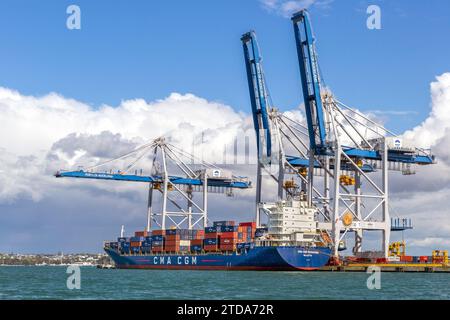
{"x": 258, "y": 258}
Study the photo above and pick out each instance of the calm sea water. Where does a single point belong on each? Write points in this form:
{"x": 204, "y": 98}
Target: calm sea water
{"x": 50, "y": 283}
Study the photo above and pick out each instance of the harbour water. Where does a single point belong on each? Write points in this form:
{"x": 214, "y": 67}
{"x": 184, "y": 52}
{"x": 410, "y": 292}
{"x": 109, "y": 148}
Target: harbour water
{"x": 46, "y": 282}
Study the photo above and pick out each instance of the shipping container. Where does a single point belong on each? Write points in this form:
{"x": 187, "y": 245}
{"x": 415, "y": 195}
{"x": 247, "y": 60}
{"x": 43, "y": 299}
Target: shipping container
{"x": 213, "y": 235}
{"x": 135, "y": 239}
{"x": 208, "y": 242}
{"x": 227, "y": 241}
{"x": 228, "y": 235}
{"x": 157, "y": 238}
{"x": 135, "y": 249}
{"x": 196, "y": 248}
{"x": 423, "y": 258}
{"x": 406, "y": 258}
{"x": 174, "y": 237}
{"x": 157, "y": 243}
{"x": 228, "y": 247}
{"x": 197, "y": 242}
{"x": 228, "y": 229}
{"x": 252, "y": 225}
{"x": 211, "y": 248}
{"x": 141, "y": 234}
{"x": 211, "y": 230}
{"x": 223, "y": 223}
{"x": 249, "y": 245}
{"x": 135, "y": 243}
{"x": 158, "y": 232}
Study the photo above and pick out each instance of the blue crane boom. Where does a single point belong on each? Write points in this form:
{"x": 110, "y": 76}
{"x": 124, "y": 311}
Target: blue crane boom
{"x": 152, "y": 179}
{"x": 310, "y": 76}
{"x": 317, "y": 129}
{"x": 258, "y": 95}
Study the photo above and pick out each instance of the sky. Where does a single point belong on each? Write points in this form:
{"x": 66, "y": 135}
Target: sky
{"x": 139, "y": 69}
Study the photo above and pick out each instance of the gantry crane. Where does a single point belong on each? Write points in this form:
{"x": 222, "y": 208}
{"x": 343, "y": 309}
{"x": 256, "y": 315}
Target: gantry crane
{"x": 350, "y": 152}
{"x": 188, "y": 175}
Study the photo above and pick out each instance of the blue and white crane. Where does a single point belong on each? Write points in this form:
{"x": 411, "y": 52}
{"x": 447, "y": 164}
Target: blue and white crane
{"x": 173, "y": 172}
{"x": 340, "y": 135}
{"x": 348, "y": 152}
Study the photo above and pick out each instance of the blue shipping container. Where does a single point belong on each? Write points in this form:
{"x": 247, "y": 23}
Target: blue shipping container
{"x": 157, "y": 243}
{"x": 157, "y": 238}
{"x": 196, "y": 248}
{"x": 211, "y": 229}
{"x": 124, "y": 244}
{"x": 223, "y": 223}
{"x": 228, "y": 228}
{"x": 135, "y": 249}
{"x": 208, "y": 242}
{"x": 135, "y": 239}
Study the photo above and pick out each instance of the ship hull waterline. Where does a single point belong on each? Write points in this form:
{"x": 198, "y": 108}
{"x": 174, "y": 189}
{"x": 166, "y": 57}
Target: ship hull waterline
{"x": 256, "y": 259}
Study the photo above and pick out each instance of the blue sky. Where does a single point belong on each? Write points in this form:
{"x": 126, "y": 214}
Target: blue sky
{"x": 127, "y": 50}
{"x": 148, "y": 49}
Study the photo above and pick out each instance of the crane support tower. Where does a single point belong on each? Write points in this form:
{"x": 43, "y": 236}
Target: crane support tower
{"x": 341, "y": 158}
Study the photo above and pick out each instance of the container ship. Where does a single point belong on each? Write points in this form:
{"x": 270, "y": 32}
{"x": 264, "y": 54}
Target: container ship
{"x": 289, "y": 241}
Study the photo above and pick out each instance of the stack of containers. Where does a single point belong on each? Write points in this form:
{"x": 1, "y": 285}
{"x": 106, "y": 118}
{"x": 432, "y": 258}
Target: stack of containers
{"x": 136, "y": 243}
{"x": 197, "y": 240}
{"x": 157, "y": 238}
{"x": 147, "y": 245}
{"x": 141, "y": 234}
{"x": 246, "y": 232}
{"x": 211, "y": 239}
{"x": 179, "y": 240}
{"x": 228, "y": 235}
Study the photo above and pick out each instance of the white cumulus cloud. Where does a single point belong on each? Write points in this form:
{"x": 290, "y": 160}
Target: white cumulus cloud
{"x": 286, "y": 8}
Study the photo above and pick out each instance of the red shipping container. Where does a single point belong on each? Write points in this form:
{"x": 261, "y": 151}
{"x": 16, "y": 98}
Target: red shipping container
{"x": 200, "y": 233}
{"x": 158, "y": 232}
{"x": 171, "y": 243}
{"x": 248, "y": 224}
{"x": 197, "y": 242}
{"x": 423, "y": 258}
{"x": 213, "y": 235}
{"x": 229, "y": 235}
{"x": 228, "y": 247}
{"x": 406, "y": 258}
{"x": 228, "y": 241}
{"x": 157, "y": 249}
{"x": 135, "y": 244}
{"x": 173, "y": 237}
{"x": 212, "y": 247}
{"x": 141, "y": 234}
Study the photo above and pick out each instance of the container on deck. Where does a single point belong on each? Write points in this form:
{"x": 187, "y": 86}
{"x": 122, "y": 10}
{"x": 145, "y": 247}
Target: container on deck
{"x": 135, "y": 239}
{"x": 141, "y": 234}
{"x": 158, "y": 232}
{"x": 157, "y": 243}
{"x": 223, "y": 223}
{"x": 233, "y": 235}
{"x": 208, "y": 242}
{"x": 157, "y": 237}
{"x": 196, "y": 248}
{"x": 211, "y": 229}
{"x": 209, "y": 248}
{"x": 228, "y": 228}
